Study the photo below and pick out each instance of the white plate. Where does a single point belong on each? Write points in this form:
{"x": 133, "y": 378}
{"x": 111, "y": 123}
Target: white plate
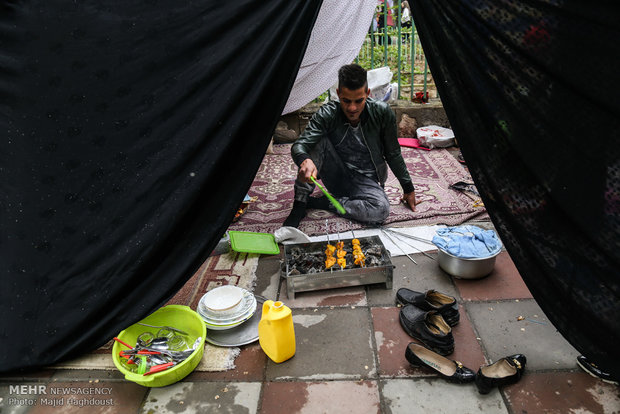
{"x": 242, "y": 334}
{"x": 222, "y": 298}
{"x": 222, "y": 328}
{"x": 218, "y": 327}
{"x": 225, "y": 327}
{"x": 230, "y": 323}
{"x": 230, "y": 315}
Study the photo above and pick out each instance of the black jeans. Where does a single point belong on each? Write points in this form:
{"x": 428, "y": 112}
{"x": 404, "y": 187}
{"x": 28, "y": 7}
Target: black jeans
{"x": 363, "y": 198}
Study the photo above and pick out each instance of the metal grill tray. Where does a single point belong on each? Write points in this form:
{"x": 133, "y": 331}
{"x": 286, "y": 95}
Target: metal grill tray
{"x": 328, "y": 279}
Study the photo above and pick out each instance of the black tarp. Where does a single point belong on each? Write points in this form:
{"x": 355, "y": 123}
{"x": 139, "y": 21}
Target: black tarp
{"x": 131, "y": 131}
{"x": 531, "y": 90}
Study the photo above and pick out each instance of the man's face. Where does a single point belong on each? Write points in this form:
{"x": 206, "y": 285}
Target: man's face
{"x": 353, "y": 102}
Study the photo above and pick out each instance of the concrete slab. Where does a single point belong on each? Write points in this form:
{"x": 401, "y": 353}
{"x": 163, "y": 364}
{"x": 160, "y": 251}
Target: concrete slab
{"x": 421, "y": 277}
{"x": 438, "y": 396}
{"x": 346, "y": 296}
{"x": 534, "y": 336}
{"x": 72, "y": 397}
{"x": 467, "y": 346}
{"x": 204, "y": 397}
{"x": 342, "y": 397}
{"x": 504, "y": 282}
{"x": 87, "y": 375}
{"x": 268, "y": 277}
{"x": 391, "y": 343}
{"x": 330, "y": 344}
{"x": 561, "y": 392}
{"x": 249, "y": 366}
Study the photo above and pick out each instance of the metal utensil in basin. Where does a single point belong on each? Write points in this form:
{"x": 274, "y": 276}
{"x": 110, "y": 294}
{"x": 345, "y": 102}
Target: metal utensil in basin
{"x": 466, "y": 268}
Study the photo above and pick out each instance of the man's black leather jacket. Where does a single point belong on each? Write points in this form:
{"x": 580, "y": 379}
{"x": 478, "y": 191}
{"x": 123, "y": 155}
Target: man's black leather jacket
{"x": 378, "y": 129}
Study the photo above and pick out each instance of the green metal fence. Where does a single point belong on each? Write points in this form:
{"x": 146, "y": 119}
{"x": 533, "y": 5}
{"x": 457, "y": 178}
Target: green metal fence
{"x": 399, "y": 48}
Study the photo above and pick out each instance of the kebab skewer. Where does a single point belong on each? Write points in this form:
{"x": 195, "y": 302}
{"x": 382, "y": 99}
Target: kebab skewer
{"x": 330, "y": 260}
{"x": 341, "y": 253}
{"x": 358, "y": 256}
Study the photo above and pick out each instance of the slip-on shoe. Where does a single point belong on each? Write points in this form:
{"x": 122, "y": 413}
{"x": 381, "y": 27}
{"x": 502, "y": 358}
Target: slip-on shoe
{"x": 594, "y": 370}
{"x": 430, "y": 300}
{"x": 452, "y": 371}
{"x": 429, "y": 328}
{"x": 505, "y": 371}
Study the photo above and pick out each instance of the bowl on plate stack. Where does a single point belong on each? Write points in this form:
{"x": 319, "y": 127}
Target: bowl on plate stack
{"x": 226, "y": 307}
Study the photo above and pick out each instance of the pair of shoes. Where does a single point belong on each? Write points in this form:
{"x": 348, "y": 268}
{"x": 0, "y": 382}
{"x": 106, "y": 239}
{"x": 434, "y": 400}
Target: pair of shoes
{"x": 443, "y": 304}
{"x": 505, "y": 371}
{"x": 452, "y": 371}
{"x": 592, "y": 369}
{"x": 430, "y": 328}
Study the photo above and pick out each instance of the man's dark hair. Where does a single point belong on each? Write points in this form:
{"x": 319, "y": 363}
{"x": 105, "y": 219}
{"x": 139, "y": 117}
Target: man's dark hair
{"x": 352, "y": 77}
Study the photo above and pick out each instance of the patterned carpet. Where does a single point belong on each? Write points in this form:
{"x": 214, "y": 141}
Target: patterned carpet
{"x": 432, "y": 173}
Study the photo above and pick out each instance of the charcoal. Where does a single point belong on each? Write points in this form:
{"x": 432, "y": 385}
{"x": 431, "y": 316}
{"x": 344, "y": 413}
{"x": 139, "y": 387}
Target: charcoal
{"x": 373, "y": 251}
{"x": 308, "y": 262}
{"x": 373, "y": 261}
{"x": 302, "y": 261}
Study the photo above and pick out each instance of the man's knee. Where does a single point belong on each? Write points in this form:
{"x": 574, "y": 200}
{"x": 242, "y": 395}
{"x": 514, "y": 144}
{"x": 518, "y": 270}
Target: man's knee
{"x": 375, "y": 211}
{"x": 383, "y": 210}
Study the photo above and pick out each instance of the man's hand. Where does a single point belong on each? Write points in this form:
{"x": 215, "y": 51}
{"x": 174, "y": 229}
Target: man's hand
{"x": 307, "y": 169}
{"x": 410, "y": 200}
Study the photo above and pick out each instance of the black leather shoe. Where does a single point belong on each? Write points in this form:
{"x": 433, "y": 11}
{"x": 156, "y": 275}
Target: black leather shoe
{"x": 505, "y": 371}
{"x": 452, "y": 371}
{"x": 445, "y": 305}
{"x": 298, "y": 212}
{"x": 594, "y": 370}
{"x": 429, "y": 328}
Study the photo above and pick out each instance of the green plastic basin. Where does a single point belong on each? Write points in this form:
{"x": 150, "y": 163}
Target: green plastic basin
{"x": 177, "y": 316}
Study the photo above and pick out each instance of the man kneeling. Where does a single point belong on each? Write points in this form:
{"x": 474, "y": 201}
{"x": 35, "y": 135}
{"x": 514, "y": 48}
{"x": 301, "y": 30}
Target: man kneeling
{"x": 349, "y": 145}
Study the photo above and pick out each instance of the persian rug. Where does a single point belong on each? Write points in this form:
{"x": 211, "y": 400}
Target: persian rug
{"x": 231, "y": 268}
{"x": 432, "y": 173}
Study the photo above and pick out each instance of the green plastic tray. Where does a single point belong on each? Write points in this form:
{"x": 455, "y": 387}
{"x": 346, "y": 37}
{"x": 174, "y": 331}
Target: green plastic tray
{"x": 249, "y": 242}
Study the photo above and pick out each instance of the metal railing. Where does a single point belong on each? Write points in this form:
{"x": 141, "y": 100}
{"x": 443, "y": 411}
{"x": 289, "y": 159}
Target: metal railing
{"x": 398, "y": 48}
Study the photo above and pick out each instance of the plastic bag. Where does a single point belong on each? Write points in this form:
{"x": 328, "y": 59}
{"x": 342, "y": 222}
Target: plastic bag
{"x": 434, "y": 136}
{"x": 290, "y": 235}
{"x": 379, "y": 84}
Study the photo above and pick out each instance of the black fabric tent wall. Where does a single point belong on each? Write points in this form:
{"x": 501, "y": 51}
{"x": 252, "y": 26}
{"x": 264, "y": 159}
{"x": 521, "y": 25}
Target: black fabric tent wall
{"x": 531, "y": 90}
{"x": 131, "y": 131}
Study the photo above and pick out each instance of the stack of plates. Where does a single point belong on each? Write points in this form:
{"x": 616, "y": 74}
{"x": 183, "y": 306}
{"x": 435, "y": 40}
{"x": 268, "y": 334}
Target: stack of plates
{"x": 226, "y": 307}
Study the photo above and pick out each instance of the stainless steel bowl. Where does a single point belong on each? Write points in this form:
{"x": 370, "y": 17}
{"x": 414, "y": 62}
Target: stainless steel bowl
{"x": 474, "y": 268}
